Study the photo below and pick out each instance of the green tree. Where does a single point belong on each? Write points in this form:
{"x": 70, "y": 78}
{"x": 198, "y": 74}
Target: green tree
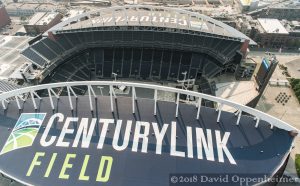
{"x": 22, "y": 18}
{"x": 294, "y": 82}
{"x": 297, "y": 87}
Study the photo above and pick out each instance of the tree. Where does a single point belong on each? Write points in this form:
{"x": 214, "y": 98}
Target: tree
{"x": 297, "y": 87}
{"x": 294, "y": 82}
{"x": 22, "y": 18}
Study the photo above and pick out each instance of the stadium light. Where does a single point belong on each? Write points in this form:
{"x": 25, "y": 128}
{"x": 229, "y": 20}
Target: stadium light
{"x": 184, "y": 79}
{"x": 184, "y": 74}
{"x": 115, "y": 75}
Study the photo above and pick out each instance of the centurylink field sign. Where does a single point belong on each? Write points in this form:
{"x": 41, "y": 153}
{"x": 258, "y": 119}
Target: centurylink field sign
{"x": 210, "y": 145}
{"x": 81, "y": 147}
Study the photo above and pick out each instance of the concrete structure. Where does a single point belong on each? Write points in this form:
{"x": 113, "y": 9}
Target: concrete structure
{"x": 246, "y": 5}
{"x": 4, "y": 18}
{"x": 289, "y": 10}
{"x": 293, "y": 27}
{"x": 271, "y": 33}
{"x": 246, "y": 25}
{"x": 41, "y": 22}
{"x": 272, "y": 26}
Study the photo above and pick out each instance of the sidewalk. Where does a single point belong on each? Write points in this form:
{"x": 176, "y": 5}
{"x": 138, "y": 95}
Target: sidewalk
{"x": 288, "y": 113}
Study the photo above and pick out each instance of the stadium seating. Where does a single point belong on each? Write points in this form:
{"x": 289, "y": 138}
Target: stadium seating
{"x": 53, "y": 46}
{"x": 34, "y": 57}
{"x": 146, "y": 63}
{"x": 63, "y": 41}
{"x": 136, "y": 57}
{"x": 43, "y": 50}
{"x": 6, "y": 86}
{"x": 74, "y": 39}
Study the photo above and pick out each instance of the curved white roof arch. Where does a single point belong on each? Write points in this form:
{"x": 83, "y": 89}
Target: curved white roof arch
{"x": 147, "y": 15}
{"x": 32, "y": 91}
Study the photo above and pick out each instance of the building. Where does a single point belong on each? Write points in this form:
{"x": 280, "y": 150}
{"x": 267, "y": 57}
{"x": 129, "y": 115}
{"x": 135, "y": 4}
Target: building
{"x": 201, "y": 46}
{"x": 28, "y": 9}
{"x": 21, "y": 9}
{"x": 271, "y": 33}
{"x": 247, "y": 5}
{"x": 41, "y": 22}
{"x": 289, "y": 10}
{"x": 246, "y": 25}
{"x": 4, "y": 17}
{"x": 293, "y": 27}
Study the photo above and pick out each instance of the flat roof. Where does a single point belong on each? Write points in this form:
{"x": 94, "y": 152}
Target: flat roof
{"x": 40, "y": 18}
{"x": 36, "y": 17}
{"x": 13, "y": 5}
{"x": 10, "y": 57}
{"x": 73, "y": 13}
{"x": 272, "y": 26}
{"x": 47, "y": 6}
{"x": 29, "y": 5}
{"x": 47, "y": 18}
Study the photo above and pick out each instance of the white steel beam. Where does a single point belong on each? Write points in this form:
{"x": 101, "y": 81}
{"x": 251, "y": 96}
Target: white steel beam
{"x": 3, "y": 105}
{"x": 50, "y": 97}
{"x": 257, "y": 122}
{"x": 133, "y": 99}
{"x": 155, "y": 101}
{"x": 111, "y": 98}
{"x": 239, "y": 118}
{"x": 199, "y": 107}
{"x": 54, "y": 93}
{"x": 18, "y": 102}
{"x": 177, "y": 104}
{"x": 219, "y": 113}
{"x": 90, "y": 98}
{"x": 220, "y": 101}
{"x": 71, "y": 89}
{"x": 70, "y": 98}
{"x": 36, "y": 95}
{"x": 33, "y": 100}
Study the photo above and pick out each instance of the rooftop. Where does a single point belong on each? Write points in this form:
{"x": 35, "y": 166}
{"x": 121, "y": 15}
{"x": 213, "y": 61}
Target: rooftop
{"x": 10, "y": 58}
{"x": 73, "y": 13}
{"x": 144, "y": 15}
{"x": 292, "y": 4}
{"x": 36, "y": 17}
{"x": 272, "y": 26}
{"x": 42, "y": 18}
{"x": 47, "y": 18}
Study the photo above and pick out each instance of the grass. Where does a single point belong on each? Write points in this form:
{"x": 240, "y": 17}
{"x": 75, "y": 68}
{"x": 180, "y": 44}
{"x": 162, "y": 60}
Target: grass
{"x": 295, "y": 83}
{"x": 297, "y": 162}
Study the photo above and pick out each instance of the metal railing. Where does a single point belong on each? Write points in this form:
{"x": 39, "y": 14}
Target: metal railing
{"x": 32, "y": 94}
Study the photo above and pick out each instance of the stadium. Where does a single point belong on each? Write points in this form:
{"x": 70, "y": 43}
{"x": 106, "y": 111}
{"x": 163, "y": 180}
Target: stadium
{"x": 139, "y": 42}
{"x": 76, "y": 126}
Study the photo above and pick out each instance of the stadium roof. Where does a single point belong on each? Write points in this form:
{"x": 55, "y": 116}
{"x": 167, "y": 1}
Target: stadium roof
{"x": 150, "y": 16}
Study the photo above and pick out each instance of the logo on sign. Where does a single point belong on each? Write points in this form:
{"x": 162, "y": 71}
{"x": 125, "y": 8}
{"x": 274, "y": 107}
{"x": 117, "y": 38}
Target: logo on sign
{"x": 24, "y": 132}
